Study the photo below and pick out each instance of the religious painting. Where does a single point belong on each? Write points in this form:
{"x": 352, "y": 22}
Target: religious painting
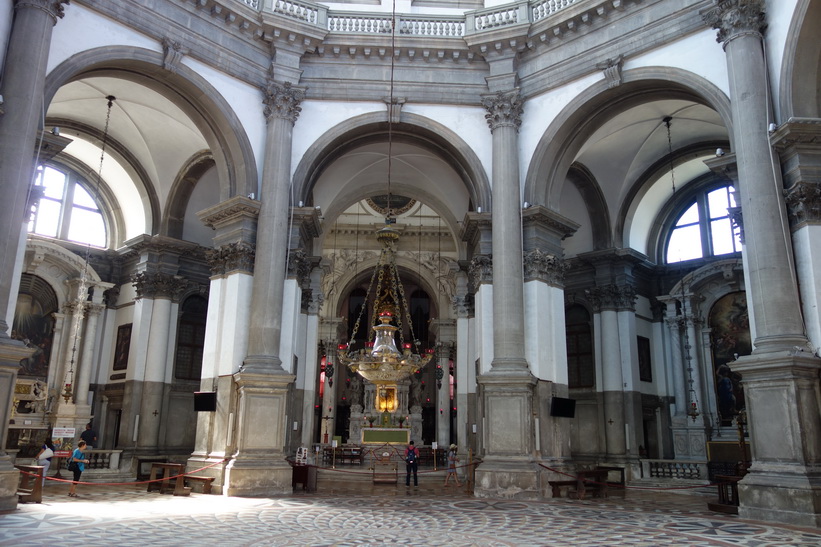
{"x": 730, "y": 326}
{"x": 122, "y": 347}
{"x": 34, "y": 325}
{"x": 645, "y": 365}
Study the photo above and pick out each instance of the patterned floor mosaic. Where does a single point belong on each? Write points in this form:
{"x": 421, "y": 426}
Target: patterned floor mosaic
{"x": 380, "y": 515}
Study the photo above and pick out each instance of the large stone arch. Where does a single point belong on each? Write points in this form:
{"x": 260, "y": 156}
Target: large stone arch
{"x": 209, "y": 111}
{"x": 561, "y": 142}
{"x": 413, "y": 128}
{"x": 800, "y": 92}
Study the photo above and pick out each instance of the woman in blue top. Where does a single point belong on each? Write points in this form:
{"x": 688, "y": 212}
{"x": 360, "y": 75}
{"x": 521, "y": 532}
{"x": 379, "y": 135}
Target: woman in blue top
{"x": 80, "y": 459}
{"x": 44, "y": 460}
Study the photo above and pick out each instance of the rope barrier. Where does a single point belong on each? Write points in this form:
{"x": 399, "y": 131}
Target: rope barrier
{"x": 626, "y": 487}
{"x": 55, "y": 479}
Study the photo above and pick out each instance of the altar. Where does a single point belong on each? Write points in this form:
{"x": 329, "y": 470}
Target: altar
{"x": 382, "y": 435}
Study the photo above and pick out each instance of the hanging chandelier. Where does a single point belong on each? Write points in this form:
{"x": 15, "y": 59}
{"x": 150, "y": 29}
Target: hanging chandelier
{"x": 381, "y": 362}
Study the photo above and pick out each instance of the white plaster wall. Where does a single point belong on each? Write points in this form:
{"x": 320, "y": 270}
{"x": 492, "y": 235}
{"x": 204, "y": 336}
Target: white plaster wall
{"x": 484, "y": 327}
{"x": 807, "y": 265}
{"x": 6, "y": 7}
{"x": 72, "y": 35}
{"x": 539, "y": 113}
{"x": 779, "y": 17}
{"x": 203, "y": 196}
{"x": 467, "y": 122}
{"x": 573, "y": 207}
{"x": 318, "y": 117}
{"x": 545, "y": 338}
{"x": 290, "y": 319}
{"x": 698, "y": 53}
{"x": 245, "y": 102}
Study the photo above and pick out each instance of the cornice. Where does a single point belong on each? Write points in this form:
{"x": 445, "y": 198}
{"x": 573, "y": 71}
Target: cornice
{"x": 243, "y": 42}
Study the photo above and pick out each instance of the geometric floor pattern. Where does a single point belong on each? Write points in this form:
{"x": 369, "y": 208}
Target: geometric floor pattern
{"x": 432, "y": 515}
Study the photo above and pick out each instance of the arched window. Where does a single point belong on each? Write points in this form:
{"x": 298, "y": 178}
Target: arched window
{"x": 67, "y": 209}
{"x": 356, "y": 302}
{"x": 191, "y": 339}
{"x": 704, "y": 229}
{"x": 581, "y": 370}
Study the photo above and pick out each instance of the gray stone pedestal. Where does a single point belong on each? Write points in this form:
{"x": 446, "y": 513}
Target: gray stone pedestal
{"x": 259, "y": 467}
{"x": 11, "y": 352}
{"x": 784, "y": 481}
{"x": 508, "y": 469}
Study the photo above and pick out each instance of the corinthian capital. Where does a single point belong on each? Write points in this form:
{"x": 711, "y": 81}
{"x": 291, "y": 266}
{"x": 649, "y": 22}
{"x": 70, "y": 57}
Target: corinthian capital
{"x": 52, "y": 7}
{"x": 504, "y": 109}
{"x": 734, "y": 18}
{"x": 544, "y": 267}
{"x": 159, "y": 285}
{"x": 282, "y": 101}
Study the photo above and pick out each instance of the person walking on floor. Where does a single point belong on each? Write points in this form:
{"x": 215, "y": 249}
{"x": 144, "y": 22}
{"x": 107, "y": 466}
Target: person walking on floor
{"x": 412, "y": 461}
{"x": 452, "y": 460}
{"x": 79, "y": 461}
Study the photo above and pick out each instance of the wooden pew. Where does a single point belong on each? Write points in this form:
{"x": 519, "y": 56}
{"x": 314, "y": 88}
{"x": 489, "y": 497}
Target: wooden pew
{"x": 30, "y": 487}
{"x": 204, "y": 481}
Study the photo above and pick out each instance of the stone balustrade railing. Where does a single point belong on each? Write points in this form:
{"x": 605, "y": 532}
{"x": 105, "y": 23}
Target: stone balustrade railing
{"x": 99, "y": 459}
{"x": 674, "y": 469}
{"x": 443, "y": 26}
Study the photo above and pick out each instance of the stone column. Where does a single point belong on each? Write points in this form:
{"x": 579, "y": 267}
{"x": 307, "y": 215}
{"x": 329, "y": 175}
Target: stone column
{"x": 260, "y": 466}
{"x": 604, "y": 300}
{"x": 163, "y": 290}
{"x": 93, "y": 311}
{"x": 281, "y": 111}
{"x": 22, "y": 89}
{"x": 507, "y": 389}
{"x": 781, "y": 377}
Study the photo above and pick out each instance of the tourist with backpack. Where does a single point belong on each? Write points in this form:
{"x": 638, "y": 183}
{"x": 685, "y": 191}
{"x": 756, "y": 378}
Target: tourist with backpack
{"x": 412, "y": 460}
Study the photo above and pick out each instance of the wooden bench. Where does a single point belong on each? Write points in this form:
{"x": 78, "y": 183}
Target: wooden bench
{"x": 558, "y": 485}
{"x": 30, "y": 487}
{"x": 169, "y": 471}
{"x": 204, "y": 481}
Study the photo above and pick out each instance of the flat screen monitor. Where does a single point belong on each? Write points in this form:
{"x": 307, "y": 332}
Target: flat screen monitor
{"x": 205, "y": 401}
{"x": 563, "y": 407}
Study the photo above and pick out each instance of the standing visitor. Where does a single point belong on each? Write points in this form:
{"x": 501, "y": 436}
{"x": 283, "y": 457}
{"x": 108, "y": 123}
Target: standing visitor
{"x": 412, "y": 460}
{"x": 452, "y": 459}
{"x": 77, "y": 464}
{"x": 44, "y": 457}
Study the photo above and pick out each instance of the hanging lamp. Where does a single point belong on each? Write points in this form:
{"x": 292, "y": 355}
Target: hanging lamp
{"x": 82, "y": 290}
{"x": 381, "y": 362}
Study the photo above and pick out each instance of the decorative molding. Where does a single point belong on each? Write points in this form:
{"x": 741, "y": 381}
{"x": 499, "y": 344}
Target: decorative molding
{"x": 504, "y": 109}
{"x": 546, "y": 267}
{"x": 737, "y": 221}
{"x": 282, "y": 100}
{"x": 481, "y": 270}
{"x": 803, "y": 203}
{"x": 734, "y": 18}
{"x": 173, "y": 52}
{"x": 232, "y": 257}
{"x": 612, "y": 71}
{"x": 159, "y": 285}
{"x": 110, "y": 296}
{"x": 612, "y": 297}
{"x": 53, "y": 7}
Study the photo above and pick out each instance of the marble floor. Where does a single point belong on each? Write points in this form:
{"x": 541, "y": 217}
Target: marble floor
{"x": 342, "y": 515}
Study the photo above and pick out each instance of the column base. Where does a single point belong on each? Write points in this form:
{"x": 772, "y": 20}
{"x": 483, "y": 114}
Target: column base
{"x": 9, "y": 479}
{"x": 780, "y": 497}
{"x": 257, "y": 477}
{"x": 503, "y": 478}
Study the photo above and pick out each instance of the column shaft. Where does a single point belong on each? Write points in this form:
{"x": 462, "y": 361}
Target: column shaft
{"x": 22, "y": 89}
